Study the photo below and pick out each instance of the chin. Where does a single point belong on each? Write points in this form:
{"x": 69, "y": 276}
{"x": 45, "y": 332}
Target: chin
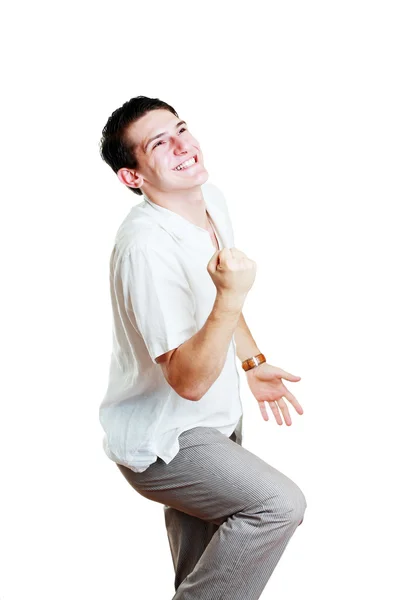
{"x": 196, "y": 180}
{"x": 200, "y": 179}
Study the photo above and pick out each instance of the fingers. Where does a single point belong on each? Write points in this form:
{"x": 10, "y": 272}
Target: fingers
{"x": 285, "y": 411}
{"x": 280, "y": 404}
{"x": 237, "y": 253}
{"x": 293, "y": 401}
{"x": 263, "y": 411}
{"x": 219, "y": 258}
{"x": 273, "y": 407}
{"x": 276, "y": 412}
{"x": 228, "y": 257}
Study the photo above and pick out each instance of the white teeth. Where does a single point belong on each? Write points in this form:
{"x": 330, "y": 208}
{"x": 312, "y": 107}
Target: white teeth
{"x": 186, "y": 164}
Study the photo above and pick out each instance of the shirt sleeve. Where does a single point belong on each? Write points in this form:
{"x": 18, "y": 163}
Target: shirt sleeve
{"x": 158, "y": 297}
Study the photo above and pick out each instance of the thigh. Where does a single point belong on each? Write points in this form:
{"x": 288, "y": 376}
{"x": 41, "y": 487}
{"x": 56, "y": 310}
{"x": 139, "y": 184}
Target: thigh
{"x": 212, "y": 478}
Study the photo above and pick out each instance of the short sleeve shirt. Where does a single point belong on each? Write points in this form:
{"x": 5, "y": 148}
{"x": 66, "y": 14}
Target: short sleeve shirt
{"x": 161, "y": 295}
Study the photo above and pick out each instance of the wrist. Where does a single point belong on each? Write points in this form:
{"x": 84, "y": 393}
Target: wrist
{"x": 230, "y": 303}
{"x": 252, "y": 362}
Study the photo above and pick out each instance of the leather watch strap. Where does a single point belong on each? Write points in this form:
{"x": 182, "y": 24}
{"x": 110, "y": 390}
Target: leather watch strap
{"x": 253, "y": 361}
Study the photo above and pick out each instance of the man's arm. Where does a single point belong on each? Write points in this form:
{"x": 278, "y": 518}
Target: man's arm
{"x": 245, "y": 344}
{"x": 192, "y": 367}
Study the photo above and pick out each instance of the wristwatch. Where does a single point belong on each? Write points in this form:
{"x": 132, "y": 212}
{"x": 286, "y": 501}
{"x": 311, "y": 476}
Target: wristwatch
{"x": 253, "y": 361}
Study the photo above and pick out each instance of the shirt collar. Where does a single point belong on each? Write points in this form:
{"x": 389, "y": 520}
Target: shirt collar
{"x": 184, "y": 229}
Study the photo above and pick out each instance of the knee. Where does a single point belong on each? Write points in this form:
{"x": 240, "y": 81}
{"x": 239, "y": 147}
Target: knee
{"x": 300, "y": 506}
{"x": 292, "y": 504}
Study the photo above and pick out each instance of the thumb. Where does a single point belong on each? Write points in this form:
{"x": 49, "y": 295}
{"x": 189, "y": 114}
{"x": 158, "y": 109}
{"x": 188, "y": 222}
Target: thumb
{"x": 214, "y": 260}
{"x": 290, "y": 377}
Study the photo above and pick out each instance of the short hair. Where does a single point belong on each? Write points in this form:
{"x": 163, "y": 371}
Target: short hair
{"x": 115, "y": 149}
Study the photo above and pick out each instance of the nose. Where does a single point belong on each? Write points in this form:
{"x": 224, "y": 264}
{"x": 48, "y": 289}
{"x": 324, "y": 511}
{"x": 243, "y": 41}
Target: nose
{"x": 181, "y": 146}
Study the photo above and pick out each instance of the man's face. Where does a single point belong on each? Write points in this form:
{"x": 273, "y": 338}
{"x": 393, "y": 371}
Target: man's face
{"x": 159, "y": 157}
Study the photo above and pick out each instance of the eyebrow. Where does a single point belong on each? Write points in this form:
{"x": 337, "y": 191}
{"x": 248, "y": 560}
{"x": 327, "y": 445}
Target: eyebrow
{"x": 161, "y": 134}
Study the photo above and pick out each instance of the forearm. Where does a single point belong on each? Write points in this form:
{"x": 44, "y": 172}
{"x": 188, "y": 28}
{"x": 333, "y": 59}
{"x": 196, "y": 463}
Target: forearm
{"x": 196, "y": 364}
{"x": 245, "y": 343}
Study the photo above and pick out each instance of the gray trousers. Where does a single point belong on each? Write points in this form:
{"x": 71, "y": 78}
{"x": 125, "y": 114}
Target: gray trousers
{"x": 229, "y": 515}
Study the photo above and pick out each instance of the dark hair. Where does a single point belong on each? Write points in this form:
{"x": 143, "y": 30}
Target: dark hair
{"x": 115, "y": 149}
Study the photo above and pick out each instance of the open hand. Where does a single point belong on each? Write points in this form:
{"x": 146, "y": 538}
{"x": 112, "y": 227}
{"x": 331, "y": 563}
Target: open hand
{"x": 265, "y": 382}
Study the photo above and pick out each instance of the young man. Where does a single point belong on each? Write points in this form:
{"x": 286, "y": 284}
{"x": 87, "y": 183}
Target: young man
{"x": 172, "y": 413}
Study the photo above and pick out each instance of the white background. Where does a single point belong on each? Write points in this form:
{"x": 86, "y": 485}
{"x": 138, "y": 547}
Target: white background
{"x": 296, "y": 106}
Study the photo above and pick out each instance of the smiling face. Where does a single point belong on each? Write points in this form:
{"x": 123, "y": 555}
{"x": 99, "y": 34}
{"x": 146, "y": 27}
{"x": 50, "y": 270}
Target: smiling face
{"x": 162, "y": 143}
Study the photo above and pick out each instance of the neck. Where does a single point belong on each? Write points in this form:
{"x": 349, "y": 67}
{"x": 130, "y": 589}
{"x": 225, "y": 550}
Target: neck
{"x": 186, "y": 203}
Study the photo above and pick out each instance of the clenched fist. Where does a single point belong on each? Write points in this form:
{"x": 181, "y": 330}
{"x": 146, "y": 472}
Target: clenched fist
{"x": 232, "y": 271}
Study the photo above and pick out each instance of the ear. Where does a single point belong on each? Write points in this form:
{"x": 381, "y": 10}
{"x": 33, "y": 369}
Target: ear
{"x": 130, "y": 177}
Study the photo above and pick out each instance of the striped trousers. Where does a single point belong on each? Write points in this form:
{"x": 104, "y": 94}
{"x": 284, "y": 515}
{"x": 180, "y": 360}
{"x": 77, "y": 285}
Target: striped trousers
{"x": 229, "y": 515}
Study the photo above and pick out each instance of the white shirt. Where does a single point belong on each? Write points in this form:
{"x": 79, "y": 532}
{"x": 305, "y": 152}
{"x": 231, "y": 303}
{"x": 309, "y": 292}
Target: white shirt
{"x": 161, "y": 295}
